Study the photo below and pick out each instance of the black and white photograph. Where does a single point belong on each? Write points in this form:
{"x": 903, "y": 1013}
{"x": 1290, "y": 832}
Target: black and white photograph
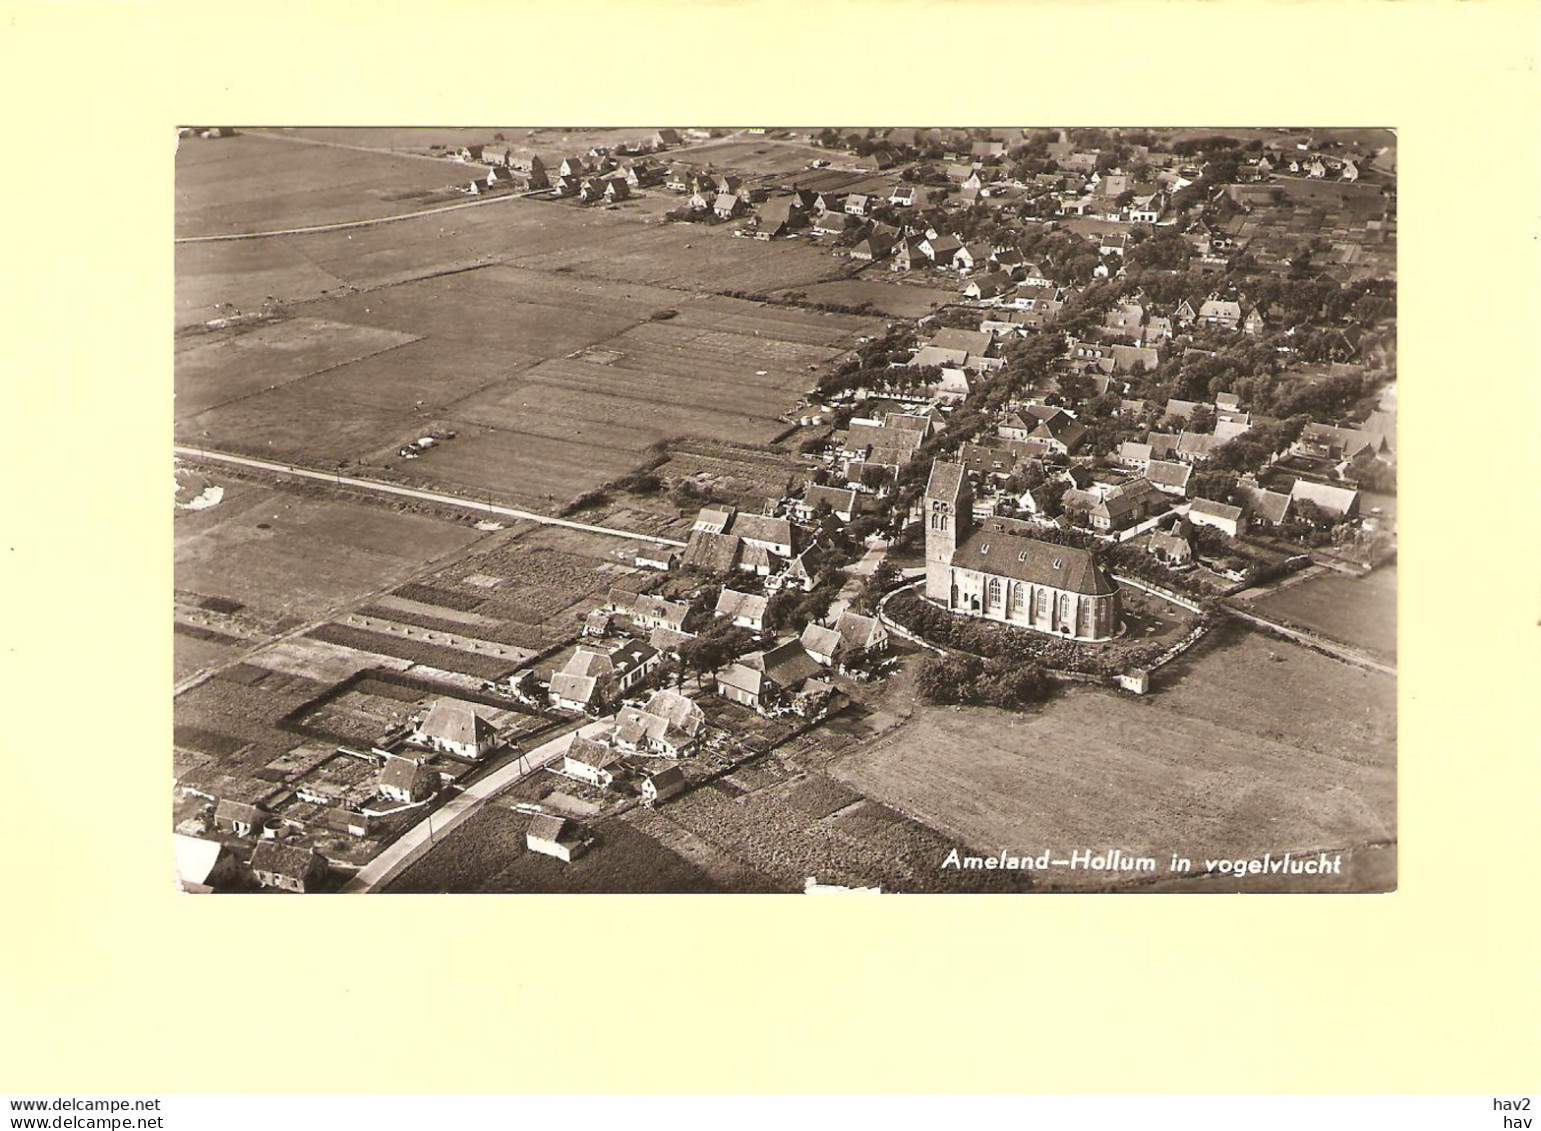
{"x": 806, "y": 510}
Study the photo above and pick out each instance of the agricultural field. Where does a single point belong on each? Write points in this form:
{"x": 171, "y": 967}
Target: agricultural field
{"x": 553, "y": 384}
{"x": 488, "y": 854}
{"x": 1248, "y": 746}
{"x": 1359, "y": 611}
{"x": 255, "y": 183}
{"x": 764, "y": 827}
{"x": 236, "y": 718}
{"x": 284, "y": 557}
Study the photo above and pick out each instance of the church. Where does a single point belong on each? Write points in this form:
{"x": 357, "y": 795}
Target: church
{"x": 995, "y": 571}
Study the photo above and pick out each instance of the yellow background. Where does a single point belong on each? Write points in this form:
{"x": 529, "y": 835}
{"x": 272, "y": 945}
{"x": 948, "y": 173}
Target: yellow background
{"x": 111, "y": 982}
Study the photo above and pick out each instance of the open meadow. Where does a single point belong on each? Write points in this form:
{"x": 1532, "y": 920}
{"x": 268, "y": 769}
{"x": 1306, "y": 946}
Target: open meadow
{"x": 257, "y": 183}
{"x": 1254, "y": 746}
{"x": 1360, "y": 611}
{"x": 297, "y": 555}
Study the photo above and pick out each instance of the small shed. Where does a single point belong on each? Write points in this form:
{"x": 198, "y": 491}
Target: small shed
{"x": 555, "y": 836}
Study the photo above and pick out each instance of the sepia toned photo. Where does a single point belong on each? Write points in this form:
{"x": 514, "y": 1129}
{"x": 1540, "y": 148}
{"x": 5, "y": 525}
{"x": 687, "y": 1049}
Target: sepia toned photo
{"x": 814, "y": 509}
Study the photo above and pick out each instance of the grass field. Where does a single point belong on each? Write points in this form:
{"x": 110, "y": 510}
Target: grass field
{"x": 1242, "y": 754}
{"x": 755, "y": 156}
{"x": 901, "y": 300}
{"x": 554, "y": 382}
{"x": 296, "y": 556}
{"x": 1360, "y": 611}
{"x": 252, "y": 183}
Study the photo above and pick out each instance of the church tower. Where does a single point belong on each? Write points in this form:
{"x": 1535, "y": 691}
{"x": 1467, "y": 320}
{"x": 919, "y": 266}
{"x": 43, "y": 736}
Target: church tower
{"x": 949, "y": 516}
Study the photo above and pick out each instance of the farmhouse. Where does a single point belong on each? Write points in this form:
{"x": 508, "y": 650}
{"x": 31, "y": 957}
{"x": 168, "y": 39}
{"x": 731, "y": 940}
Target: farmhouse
{"x": 454, "y": 727}
{"x": 999, "y": 574}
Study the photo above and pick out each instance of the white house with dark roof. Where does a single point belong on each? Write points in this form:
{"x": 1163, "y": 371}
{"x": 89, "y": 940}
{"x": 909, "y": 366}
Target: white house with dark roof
{"x": 1223, "y": 517}
{"x": 747, "y": 610}
{"x": 453, "y": 726}
{"x": 596, "y": 763}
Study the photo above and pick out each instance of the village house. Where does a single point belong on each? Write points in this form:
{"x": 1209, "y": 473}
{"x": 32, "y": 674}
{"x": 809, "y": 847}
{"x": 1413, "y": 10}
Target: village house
{"x": 669, "y": 725}
{"x": 657, "y": 786}
{"x": 1341, "y": 502}
{"x": 407, "y": 780}
{"x": 715, "y": 554}
{"x": 831, "y": 224}
{"x": 940, "y": 249}
{"x": 647, "y": 610}
{"x": 593, "y": 762}
{"x": 1221, "y": 516}
{"x": 991, "y": 285}
{"x": 1327, "y": 441}
{"x": 1170, "y": 548}
{"x": 1196, "y": 447}
{"x": 454, "y": 727}
{"x": 805, "y": 571}
{"x": 555, "y": 836}
{"x": 861, "y": 637}
{"x": 876, "y": 245}
{"x": 769, "y": 533}
{"x": 843, "y": 504}
{"x": 766, "y": 680}
{"x": 1266, "y": 508}
{"x": 1224, "y": 313}
{"x": 777, "y": 217}
{"x": 1168, "y": 475}
{"x": 823, "y": 644}
{"x": 746, "y": 610}
{"x": 992, "y": 570}
{"x": 592, "y": 680}
{"x": 1117, "y": 508}
{"x": 287, "y": 867}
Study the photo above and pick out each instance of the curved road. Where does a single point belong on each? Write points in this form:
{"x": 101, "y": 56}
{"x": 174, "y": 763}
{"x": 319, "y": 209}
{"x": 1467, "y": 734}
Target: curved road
{"x": 418, "y": 840}
{"x": 413, "y": 493}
